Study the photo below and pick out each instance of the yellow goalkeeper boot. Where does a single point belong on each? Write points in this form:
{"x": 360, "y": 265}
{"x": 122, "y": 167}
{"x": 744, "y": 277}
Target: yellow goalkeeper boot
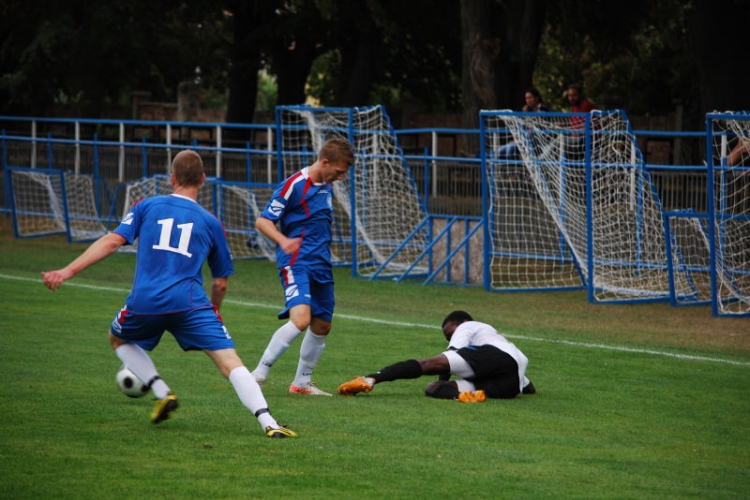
{"x": 472, "y": 396}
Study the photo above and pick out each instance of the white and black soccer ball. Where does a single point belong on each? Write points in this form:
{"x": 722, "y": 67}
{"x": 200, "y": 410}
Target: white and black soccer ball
{"x": 129, "y": 384}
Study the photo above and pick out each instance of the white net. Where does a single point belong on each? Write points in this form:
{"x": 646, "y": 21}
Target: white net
{"x": 233, "y": 204}
{"x": 564, "y": 225}
{"x": 387, "y": 208}
{"x": 528, "y": 250}
{"x": 730, "y": 134}
{"x": 83, "y": 218}
{"x": 691, "y": 255}
{"x": 54, "y": 201}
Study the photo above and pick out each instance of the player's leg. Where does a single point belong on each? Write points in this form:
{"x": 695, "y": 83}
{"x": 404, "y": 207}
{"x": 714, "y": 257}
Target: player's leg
{"x": 442, "y": 389}
{"x": 126, "y": 329}
{"x": 231, "y": 367}
{"x": 412, "y": 368}
{"x": 310, "y": 352}
{"x": 140, "y": 363}
{"x": 203, "y": 329}
{"x": 321, "y": 309}
{"x": 279, "y": 343}
{"x": 297, "y": 292}
{"x": 450, "y": 363}
{"x": 463, "y": 389}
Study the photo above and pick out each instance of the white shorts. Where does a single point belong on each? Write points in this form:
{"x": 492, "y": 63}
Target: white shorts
{"x": 460, "y": 368}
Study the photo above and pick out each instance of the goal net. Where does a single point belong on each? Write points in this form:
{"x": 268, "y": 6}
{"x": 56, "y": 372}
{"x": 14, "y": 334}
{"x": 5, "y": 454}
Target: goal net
{"x": 376, "y": 206}
{"x": 729, "y": 180}
{"x": 234, "y": 204}
{"x": 573, "y": 207}
{"x": 46, "y": 202}
{"x": 688, "y": 244}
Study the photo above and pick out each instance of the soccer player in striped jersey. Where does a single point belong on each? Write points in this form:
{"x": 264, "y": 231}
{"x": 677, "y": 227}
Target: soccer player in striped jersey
{"x": 175, "y": 237}
{"x": 298, "y": 219}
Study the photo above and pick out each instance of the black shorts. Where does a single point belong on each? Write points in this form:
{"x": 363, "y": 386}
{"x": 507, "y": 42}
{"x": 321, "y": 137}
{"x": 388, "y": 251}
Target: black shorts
{"x": 495, "y": 371}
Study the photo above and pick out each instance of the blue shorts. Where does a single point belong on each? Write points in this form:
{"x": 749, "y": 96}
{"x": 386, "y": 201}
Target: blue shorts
{"x": 194, "y": 330}
{"x": 315, "y": 289}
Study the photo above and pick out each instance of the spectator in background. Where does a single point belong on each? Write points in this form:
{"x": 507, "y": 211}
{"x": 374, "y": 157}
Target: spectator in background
{"x": 578, "y": 104}
{"x": 575, "y": 143}
{"x": 534, "y": 103}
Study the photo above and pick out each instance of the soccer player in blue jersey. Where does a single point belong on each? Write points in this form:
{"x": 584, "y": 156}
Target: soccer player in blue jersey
{"x": 175, "y": 237}
{"x": 298, "y": 218}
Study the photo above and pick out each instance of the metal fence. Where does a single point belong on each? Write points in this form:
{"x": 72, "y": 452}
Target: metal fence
{"x": 121, "y": 151}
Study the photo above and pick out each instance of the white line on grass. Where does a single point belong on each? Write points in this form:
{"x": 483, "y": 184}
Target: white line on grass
{"x": 432, "y": 327}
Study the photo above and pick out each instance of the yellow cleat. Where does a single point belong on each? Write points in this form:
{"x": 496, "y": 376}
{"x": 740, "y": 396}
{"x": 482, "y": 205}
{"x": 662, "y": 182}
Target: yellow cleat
{"x": 163, "y": 408}
{"x": 281, "y": 432}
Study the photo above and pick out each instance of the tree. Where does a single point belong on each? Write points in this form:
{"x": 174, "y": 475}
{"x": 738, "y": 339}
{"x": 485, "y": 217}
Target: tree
{"x": 378, "y": 52}
{"x": 500, "y": 45}
{"x": 717, "y": 39}
{"x": 299, "y": 37}
{"x": 88, "y": 54}
{"x": 245, "y": 53}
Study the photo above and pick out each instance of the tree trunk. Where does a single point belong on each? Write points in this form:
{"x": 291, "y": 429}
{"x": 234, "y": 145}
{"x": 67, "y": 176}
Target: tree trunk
{"x": 243, "y": 75}
{"x": 477, "y": 84}
{"x": 500, "y": 45}
{"x": 520, "y": 30}
{"x": 292, "y": 67}
{"x": 357, "y": 70}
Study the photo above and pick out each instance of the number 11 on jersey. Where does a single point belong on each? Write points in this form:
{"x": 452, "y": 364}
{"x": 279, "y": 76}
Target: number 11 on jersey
{"x": 166, "y": 233}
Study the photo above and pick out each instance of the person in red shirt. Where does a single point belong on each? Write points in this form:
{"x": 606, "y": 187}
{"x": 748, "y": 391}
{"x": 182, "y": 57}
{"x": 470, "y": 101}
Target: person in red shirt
{"x": 578, "y": 104}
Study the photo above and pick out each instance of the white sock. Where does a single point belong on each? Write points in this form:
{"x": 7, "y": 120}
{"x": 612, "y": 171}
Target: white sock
{"x": 279, "y": 343}
{"x": 139, "y": 362}
{"x": 309, "y": 354}
{"x": 251, "y": 395}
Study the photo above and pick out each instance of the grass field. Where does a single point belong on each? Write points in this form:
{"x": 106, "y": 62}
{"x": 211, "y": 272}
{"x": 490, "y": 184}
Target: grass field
{"x": 644, "y": 401}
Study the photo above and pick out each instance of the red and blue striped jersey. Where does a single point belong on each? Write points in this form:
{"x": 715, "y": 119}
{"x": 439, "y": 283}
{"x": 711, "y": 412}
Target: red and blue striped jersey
{"x": 303, "y": 209}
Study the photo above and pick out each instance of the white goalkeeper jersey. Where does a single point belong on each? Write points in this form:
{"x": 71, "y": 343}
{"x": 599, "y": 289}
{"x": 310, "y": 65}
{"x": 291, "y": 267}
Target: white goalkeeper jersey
{"x": 474, "y": 334}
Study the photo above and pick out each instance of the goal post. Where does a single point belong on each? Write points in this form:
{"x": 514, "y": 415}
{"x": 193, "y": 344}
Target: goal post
{"x": 728, "y": 143}
{"x": 50, "y": 201}
{"x": 574, "y": 208}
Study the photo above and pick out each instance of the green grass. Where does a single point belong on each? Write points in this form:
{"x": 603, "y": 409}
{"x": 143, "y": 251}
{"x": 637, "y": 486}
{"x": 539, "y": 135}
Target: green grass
{"x": 636, "y": 402}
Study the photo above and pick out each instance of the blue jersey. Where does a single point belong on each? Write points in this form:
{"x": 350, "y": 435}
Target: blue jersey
{"x": 175, "y": 237}
{"x": 303, "y": 209}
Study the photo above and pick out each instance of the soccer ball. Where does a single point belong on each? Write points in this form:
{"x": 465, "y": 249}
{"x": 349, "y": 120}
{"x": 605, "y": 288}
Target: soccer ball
{"x": 129, "y": 384}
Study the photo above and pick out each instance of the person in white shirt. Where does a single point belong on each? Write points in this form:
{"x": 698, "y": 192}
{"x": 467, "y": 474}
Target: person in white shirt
{"x": 489, "y": 366}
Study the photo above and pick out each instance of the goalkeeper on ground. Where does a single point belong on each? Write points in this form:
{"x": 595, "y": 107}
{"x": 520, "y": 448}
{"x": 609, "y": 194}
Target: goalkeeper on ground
{"x": 489, "y": 365}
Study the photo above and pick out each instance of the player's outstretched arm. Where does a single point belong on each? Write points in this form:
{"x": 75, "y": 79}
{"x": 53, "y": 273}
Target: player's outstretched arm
{"x": 99, "y": 250}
